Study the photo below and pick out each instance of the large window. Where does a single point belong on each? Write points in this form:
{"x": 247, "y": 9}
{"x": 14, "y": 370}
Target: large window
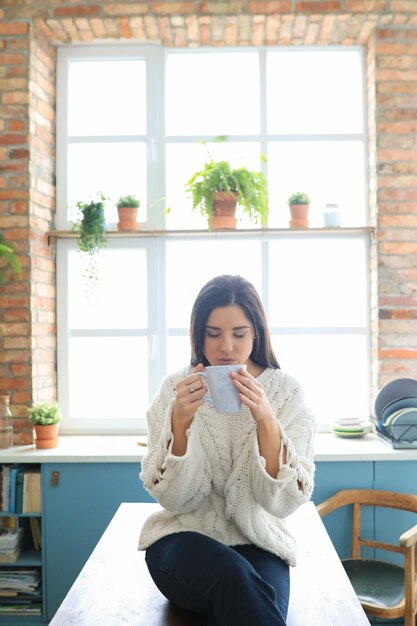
{"x": 132, "y": 120}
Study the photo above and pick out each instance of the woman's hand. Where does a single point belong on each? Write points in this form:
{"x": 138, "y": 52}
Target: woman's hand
{"x": 190, "y": 392}
{"x": 269, "y": 436}
{"x": 253, "y": 396}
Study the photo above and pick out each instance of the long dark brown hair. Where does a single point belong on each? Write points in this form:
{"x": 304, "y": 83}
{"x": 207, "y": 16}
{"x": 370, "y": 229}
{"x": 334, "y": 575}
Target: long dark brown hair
{"x": 224, "y": 291}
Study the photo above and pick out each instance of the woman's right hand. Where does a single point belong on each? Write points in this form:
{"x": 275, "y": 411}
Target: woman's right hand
{"x": 190, "y": 393}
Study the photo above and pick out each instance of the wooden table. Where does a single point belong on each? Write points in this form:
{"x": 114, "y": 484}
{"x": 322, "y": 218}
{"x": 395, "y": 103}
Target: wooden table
{"x": 115, "y": 589}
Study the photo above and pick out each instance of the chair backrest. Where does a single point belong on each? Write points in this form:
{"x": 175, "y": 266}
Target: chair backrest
{"x": 368, "y": 497}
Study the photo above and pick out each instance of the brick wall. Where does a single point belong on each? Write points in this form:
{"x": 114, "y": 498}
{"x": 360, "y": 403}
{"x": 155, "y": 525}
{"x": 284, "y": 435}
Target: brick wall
{"x": 30, "y": 32}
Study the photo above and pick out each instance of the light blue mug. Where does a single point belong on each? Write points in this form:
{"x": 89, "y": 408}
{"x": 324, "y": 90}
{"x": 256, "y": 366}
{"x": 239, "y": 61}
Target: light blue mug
{"x": 224, "y": 396}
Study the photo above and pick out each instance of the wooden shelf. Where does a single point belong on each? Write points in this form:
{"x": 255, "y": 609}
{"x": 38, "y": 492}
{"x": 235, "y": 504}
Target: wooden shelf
{"x": 240, "y": 232}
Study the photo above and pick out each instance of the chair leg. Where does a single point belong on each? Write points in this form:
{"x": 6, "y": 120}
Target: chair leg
{"x": 410, "y": 587}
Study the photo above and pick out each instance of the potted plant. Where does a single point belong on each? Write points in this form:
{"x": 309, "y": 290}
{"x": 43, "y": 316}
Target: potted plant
{"x": 127, "y": 209}
{"x": 45, "y": 419}
{"x": 217, "y": 189}
{"x": 9, "y": 255}
{"x": 91, "y": 236}
{"x": 90, "y": 229}
{"x": 299, "y": 203}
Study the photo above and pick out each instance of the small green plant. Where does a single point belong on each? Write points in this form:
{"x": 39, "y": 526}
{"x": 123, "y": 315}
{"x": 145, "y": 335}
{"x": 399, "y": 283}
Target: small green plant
{"x": 250, "y": 188}
{"x": 44, "y": 414}
{"x": 7, "y": 253}
{"x": 298, "y": 198}
{"x": 91, "y": 235}
{"x": 128, "y": 201}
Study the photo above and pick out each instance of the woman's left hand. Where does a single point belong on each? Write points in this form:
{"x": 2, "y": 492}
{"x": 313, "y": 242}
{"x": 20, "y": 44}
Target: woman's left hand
{"x": 252, "y": 395}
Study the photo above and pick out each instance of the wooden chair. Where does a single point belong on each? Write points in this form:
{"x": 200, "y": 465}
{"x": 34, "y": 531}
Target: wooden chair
{"x": 384, "y": 589}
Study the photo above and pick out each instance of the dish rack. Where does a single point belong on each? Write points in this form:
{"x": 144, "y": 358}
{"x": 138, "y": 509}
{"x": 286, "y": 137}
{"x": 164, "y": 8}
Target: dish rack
{"x": 397, "y": 444}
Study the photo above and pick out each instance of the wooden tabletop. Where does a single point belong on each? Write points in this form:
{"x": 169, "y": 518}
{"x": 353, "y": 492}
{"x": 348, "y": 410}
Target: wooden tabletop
{"x": 115, "y": 589}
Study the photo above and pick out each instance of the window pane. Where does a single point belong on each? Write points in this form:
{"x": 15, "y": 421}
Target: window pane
{"x": 119, "y": 170}
{"x": 204, "y": 93}
{"x": 120, "y": 300}
{"x": 190, "y": 264}
{"x": 319, "y": 282}
{"x": 183, "y": 160}
{"x": 333, "y": 371}
{"x": 108, "y": 377}
{"x": 178, "y": 353}
{"x": 314, "y": 91}
{"x": 328, "y": 171}
{"x": 107, "y": 97}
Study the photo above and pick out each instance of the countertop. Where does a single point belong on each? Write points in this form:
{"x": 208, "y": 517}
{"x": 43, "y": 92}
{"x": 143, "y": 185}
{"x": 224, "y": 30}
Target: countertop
{"x": 131, "y": 449}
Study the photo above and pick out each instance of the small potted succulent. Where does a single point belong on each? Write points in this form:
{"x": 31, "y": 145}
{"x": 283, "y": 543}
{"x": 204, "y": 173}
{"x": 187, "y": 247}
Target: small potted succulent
{"x": 299, "y": 203}
{"x": 217, "y": 189}
{"x": 45, "y": 419}
{"x": 127, "y": 209}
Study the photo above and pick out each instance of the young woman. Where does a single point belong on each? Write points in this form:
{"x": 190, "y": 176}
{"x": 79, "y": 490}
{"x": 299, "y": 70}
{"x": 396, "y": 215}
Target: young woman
{"x": 226, "y": 481}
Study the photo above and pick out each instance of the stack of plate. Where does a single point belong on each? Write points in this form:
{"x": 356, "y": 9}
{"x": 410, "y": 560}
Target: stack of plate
{"x": 350, "y": 427}
{"x": 395, "y": 412}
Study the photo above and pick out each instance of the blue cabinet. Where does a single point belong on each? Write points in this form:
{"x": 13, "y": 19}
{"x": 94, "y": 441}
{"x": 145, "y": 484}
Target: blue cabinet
{"x": 79, "y": 500}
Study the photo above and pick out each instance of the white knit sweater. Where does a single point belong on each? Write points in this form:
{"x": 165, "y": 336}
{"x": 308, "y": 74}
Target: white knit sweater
{"x": 220, "y": 487}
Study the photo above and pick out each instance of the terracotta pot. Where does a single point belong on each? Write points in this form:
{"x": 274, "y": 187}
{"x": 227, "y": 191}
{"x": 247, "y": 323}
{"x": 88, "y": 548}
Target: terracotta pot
{"x": 224, "y": 211}
{"x": 46, "y": 436}
{"x": 127, "y": 218}
{"x": 299, "y": 215}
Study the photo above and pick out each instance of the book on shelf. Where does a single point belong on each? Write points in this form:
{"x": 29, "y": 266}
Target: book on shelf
{"x": 35, "y": 528}
{"x": 12, "y": 479}
{"x": 10, "y": 557}
{"x": 5, "y": 487}
{"x": 31, "y": 499}
{"x": 26, "y": 581}
{"x": 9, "y": 521}
{"x": 10, "y": 537}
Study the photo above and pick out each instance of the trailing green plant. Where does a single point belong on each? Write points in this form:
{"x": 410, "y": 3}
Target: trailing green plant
{"x": 128, "y": 201}
{"x": 7, "y": 253}
{"x": 44, "y": 414}
{"x": 90, "y": 229}
{"x": 250, "y": 188}
{"x": 298, "y": 198}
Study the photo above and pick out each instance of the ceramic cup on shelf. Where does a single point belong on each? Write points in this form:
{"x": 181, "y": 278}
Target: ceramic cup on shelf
{"x": 332, "y": 216}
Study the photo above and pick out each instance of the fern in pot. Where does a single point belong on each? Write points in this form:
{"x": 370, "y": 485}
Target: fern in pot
{"x": 217, "y": 189}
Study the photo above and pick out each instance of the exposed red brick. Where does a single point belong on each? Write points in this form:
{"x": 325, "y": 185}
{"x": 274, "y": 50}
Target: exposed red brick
{"x": 81, "y": 10}
{"x": 319, "y": 6}
{"x": 398, "y": 314}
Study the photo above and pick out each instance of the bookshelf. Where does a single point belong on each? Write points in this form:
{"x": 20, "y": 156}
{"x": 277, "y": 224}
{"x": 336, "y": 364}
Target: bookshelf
{"x": 21, "y": 559}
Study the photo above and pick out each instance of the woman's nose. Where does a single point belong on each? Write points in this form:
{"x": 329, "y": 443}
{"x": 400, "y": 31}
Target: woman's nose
{"x": 227, "y": 345}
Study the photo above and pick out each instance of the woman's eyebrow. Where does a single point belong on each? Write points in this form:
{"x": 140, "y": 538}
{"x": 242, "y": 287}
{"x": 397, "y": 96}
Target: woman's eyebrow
{"x": 234, "y": 327}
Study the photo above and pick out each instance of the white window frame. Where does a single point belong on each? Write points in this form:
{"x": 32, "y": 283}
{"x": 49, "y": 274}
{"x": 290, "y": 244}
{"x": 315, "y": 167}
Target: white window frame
{"x": 156, "y": 142}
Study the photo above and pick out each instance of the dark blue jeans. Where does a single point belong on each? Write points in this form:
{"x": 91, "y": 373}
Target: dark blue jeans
{"x": 233, "y": 586}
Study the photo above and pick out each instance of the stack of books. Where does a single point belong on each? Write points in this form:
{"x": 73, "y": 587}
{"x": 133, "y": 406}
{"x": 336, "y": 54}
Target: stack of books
{"x": 20, "y": 591}
{"x": 10, "y": 542}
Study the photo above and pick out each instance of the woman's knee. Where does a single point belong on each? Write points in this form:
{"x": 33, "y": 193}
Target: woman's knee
{"x": 237, "y": 576}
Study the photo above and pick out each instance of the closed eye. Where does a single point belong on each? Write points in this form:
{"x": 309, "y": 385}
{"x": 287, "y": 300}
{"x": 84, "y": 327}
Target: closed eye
{"x": 213, "y": 335}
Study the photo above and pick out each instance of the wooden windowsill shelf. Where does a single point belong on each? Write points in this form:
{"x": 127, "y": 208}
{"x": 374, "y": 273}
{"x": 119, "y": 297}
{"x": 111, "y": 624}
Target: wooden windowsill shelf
{"x": 240, "y": 232}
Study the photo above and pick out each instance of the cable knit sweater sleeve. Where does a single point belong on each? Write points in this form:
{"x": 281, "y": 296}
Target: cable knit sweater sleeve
{"x": 179, "y": 483}
{"x": 293, "y": 484}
